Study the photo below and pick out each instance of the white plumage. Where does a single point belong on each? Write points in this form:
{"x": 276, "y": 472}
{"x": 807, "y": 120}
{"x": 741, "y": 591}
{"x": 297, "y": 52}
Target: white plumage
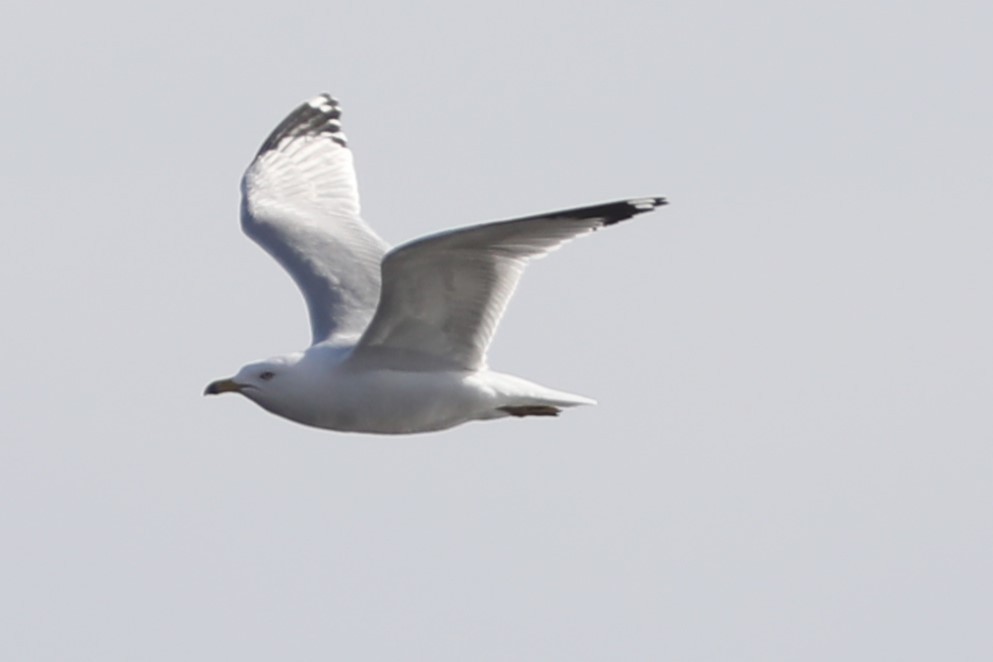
{"x": 399, "y": 336}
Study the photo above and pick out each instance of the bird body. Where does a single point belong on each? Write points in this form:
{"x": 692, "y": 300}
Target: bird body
{"x": 386, "y": 400}
{"x": 399, "y": 337}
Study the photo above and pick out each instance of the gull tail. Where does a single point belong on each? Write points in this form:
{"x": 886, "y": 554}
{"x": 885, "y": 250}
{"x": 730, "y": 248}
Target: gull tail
{"x": 519, "y": 397}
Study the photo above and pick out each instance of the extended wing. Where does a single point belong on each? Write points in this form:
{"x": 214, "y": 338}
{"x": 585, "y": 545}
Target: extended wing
{"x": 443, "y": 295}
{"x": 300, "y": 203}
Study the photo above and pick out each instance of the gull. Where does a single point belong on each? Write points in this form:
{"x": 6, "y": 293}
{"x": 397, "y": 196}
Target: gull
{"x": 399, "y": 336}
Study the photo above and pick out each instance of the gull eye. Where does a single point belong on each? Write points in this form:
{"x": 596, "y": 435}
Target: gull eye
{"x": 267, "y": 375}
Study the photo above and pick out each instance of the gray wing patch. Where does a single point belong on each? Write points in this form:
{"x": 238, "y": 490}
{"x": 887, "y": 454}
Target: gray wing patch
{"x": 442, "y": 296}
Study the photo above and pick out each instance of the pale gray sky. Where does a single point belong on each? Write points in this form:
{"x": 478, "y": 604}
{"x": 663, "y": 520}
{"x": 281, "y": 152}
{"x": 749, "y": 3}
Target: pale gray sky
{"x": 792, "y": 455}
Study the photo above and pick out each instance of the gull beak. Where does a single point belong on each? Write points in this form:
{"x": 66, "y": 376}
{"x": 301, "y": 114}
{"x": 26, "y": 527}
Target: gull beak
{"x": 222, "y": 386}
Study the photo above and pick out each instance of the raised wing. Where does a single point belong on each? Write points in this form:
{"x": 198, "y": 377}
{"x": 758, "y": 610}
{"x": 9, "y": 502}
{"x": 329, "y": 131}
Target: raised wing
{"x": 300, "y": 203}
{"x": 443, "y": 295}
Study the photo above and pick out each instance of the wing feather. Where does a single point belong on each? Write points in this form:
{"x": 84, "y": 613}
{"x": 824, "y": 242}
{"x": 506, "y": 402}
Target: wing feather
{"x": 443, "y": 295}
{"x": 300, "y": 203}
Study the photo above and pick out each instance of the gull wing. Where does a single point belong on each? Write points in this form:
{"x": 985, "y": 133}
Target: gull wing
{"x": 443, "y": 295}
{"x": 300, "y": 203}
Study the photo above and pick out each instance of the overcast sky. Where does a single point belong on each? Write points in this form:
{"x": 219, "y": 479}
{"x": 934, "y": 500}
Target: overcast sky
{"x": 793, "y": 450}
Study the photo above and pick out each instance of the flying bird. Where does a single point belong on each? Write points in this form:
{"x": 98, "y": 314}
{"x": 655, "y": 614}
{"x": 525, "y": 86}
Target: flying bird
{"x": 399, "y": 335}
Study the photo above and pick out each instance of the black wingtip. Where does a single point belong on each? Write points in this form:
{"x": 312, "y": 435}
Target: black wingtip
{"x": 622, "y": 211}
{"x": 319, "y": 116}
{"x": 612, "y": 212}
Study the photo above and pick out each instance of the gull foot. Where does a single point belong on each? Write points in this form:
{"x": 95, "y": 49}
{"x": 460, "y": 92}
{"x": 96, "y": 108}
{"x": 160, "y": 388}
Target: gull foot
{"x": 532, "y": 410}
